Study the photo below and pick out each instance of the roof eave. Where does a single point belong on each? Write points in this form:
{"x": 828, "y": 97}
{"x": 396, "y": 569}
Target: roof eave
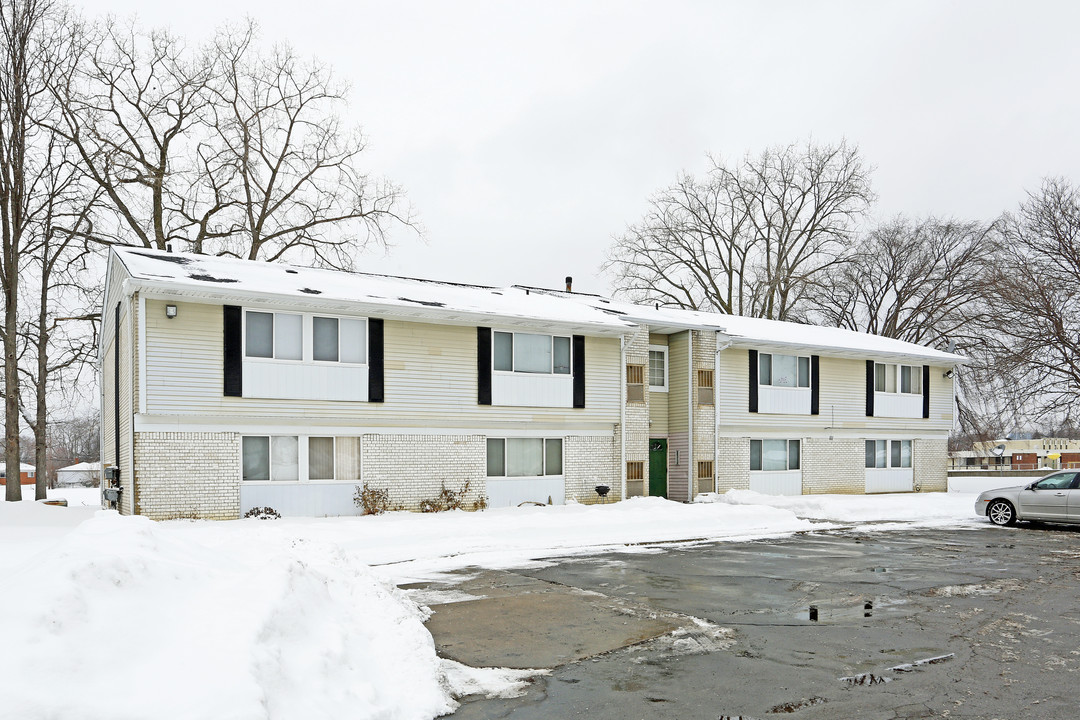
{"x": 451, "y": 316}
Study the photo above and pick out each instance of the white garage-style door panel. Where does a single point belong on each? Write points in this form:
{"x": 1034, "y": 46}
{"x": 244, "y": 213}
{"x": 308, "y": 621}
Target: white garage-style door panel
{"x": 882, "y": 480}
{"x": 785, "y": 482}
{"x": 301, "y": 499}
{"x": 511, "y": 492}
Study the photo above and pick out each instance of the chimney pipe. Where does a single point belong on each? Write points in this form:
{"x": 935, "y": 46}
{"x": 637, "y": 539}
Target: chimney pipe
{"x": 569, "y": 283}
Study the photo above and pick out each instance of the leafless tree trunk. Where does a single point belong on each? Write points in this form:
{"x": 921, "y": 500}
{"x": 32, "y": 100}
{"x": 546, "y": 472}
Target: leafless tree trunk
{"x": 748, "y": 239}
{"x": 24, "y": 40}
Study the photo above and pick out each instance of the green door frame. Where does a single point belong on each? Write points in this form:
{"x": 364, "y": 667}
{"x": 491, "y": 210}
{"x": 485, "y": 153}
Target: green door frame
{"x": 658, "y": 467}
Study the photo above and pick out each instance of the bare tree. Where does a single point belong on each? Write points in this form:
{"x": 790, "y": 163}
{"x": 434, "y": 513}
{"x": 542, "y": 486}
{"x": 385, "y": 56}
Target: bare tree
{"x": 222, "y": 149}
{"x": 749, "y": 239}
{"x": 920, "y": 281}
{"x": 296, "y": 166}
{"x": 1031, "y": 349}
{"x": 28, "y": 29}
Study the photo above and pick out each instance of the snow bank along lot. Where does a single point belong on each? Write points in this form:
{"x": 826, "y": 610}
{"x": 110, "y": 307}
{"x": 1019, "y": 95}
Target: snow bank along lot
{"x": 121, "y": 617}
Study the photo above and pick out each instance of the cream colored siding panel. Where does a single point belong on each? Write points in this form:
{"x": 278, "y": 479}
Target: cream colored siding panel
{"x": 679, "y": 383}
{"x": 658, "y": 414}
{"x": 429, "y": 370}
{"x": 108, "y": 405}
{"x": 842, "y": 403}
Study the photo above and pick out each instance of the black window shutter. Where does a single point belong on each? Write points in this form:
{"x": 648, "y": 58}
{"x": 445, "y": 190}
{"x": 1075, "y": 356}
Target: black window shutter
{"x": 815, "y": 388}
{"x": 375, "y": 361}
{"x": 233, "y": 350}
{"x": 869, "y": 388}
{"x": 578, "y": 346}
{"x": 926, "y": 391}
{"x": 483, "y": 366}
{"x": 753, "y": 380}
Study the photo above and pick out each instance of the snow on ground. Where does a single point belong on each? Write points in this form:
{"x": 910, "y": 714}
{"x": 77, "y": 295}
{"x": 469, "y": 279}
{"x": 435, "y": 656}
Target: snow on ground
{"x": 300, "y": 618}
{"x": 918, "y": 508}
{"x": 977, "y": 483}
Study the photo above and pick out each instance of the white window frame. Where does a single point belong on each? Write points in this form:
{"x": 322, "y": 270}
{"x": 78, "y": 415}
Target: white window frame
{"x": 546, "y": 440}
{"x": 551, "y": 367}
{"x": 897, "y": 375}
{"x": 888, "y": 454}
{"x": 663, "y": 349}
{"x": 303, "y": 457}
{"x": 772, "y": 372}
{"x": 787, "y": 455}
{"x": 307, "y": 338}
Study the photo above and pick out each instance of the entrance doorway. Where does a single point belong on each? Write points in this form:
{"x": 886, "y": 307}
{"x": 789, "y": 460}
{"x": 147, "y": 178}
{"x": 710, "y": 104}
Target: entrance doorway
{"x": 658, "y": 467}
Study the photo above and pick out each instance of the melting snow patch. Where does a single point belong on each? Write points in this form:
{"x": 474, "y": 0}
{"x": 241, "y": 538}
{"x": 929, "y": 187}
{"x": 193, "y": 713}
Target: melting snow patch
{"x": 464, "y": 681}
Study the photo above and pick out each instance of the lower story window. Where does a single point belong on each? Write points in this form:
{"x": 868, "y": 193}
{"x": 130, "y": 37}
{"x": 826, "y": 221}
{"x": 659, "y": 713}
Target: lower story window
{"x": 300, "y": 458}
{"x": 774, "y": 454}
{"x": 524, "y": 457}
{"x": 888, "y": 453}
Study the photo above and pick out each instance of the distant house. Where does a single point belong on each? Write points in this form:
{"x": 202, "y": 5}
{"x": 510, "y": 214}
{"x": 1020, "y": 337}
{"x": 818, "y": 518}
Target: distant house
{"x": 230, "y": 384}
{"x": 27, "y": 474}
{"x": 82, "y": 474}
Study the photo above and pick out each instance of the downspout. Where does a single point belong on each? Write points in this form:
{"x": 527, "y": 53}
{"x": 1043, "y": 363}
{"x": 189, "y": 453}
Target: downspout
{"x": 716, "y": 411}
{"x": 622, "y": 416}
{"x": 691, "y": 471}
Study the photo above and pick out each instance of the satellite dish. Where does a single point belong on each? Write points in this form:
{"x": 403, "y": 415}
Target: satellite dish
{"x": 999, "y": 450}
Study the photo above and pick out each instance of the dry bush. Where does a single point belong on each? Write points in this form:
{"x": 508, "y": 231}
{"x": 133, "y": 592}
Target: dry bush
{"x": 447, "y": 499}
{"x": 373, "y": 501}
{"x": 263, "y": 513}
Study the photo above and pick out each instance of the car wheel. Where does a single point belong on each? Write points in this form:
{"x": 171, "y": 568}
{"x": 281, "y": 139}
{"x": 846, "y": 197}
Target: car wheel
{"x": 1001, "y": 512}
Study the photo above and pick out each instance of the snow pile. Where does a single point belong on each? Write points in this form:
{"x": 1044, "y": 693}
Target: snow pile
{"x": 923, "y": 508}
{"x": 129, "y": 619}
{"x": 414, "y": 546}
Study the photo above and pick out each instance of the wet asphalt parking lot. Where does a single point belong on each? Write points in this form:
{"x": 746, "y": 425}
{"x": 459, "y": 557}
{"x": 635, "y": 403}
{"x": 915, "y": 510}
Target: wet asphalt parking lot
{"x": 969, "y": 622}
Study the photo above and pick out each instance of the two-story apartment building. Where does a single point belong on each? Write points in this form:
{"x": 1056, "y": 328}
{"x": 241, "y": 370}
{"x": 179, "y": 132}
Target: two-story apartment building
{"x": 230, "y": 384}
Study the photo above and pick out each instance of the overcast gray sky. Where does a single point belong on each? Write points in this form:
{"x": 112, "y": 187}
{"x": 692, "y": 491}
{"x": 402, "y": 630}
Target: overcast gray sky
{"x": 527, "y": 134}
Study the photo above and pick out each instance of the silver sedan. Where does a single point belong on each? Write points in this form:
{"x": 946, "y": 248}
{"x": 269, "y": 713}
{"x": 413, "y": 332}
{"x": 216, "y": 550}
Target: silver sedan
{"x": 1054, "y": 498}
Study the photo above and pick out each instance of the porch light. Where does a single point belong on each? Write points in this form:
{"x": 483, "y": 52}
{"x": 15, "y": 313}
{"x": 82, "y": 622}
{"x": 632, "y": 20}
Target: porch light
{"x": 170, "y": 311}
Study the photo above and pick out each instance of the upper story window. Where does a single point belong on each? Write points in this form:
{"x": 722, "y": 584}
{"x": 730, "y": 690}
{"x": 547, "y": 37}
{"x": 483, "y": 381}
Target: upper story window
{"x": 891, "y": 378}
{"x": 888, "y": 453}
{"x": 658, "y": 368}
{"x": 295, "y": 336}
{"x": 531, "y": 353}
{"x": 783, "y": 370}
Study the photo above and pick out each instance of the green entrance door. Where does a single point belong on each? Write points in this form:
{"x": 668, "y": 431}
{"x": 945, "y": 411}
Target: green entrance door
{"x": 658, "y": 467}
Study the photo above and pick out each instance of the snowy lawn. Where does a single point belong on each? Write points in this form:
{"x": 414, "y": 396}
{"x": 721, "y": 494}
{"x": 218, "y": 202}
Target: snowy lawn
{"x": 121, "y": 617}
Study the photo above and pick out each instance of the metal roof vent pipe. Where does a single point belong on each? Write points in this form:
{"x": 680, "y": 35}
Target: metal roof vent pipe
{"x": 569, "y": 283}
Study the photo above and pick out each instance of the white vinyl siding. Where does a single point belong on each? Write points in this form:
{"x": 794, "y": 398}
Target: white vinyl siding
{"x": 429, "y": 380}
{"x": 842, "y": 403}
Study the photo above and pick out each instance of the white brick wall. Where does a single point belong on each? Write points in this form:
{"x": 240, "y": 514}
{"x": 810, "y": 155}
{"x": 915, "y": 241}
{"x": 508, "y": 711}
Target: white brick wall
{"x": 733, "y": 468}
{"x": 833, "y": 466}
{"x": 704, "y": 415}
{"x": 589, "y": 461}
{"x": 637, "y": 414}
{"x": 415, "y": 467}
{"x": 929, "y": 461}
{"x": 187, "y": 475}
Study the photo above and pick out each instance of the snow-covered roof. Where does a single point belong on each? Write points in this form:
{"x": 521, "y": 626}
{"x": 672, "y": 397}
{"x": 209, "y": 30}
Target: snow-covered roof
{"x": 80, "y": 467}
{"x": 224, "y": 278}
{"x": 764, "y": 334}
